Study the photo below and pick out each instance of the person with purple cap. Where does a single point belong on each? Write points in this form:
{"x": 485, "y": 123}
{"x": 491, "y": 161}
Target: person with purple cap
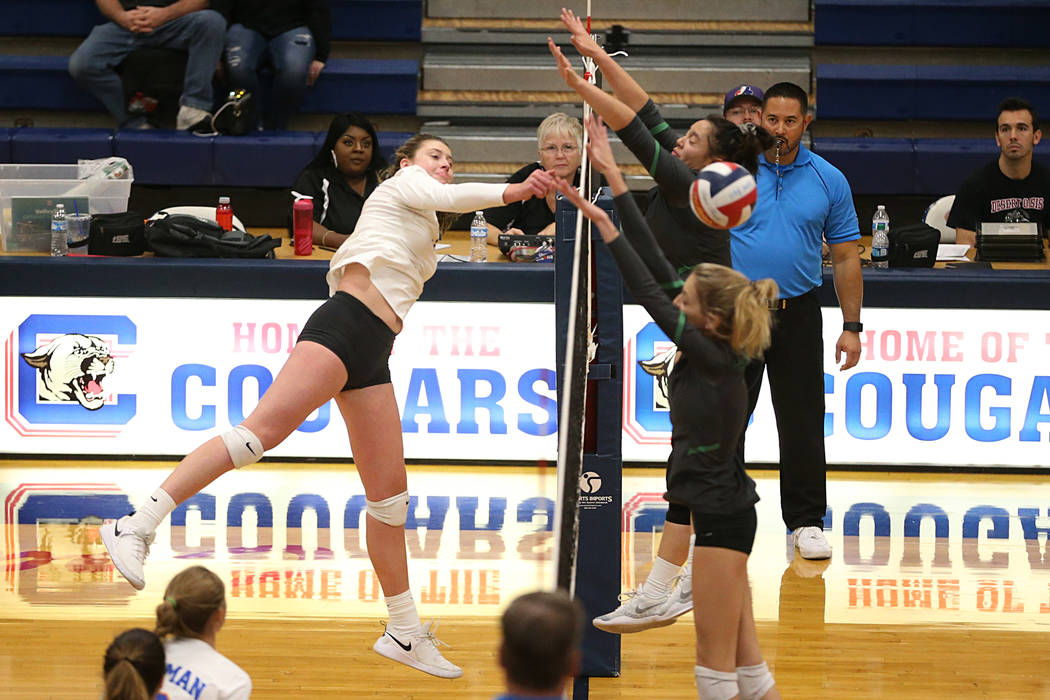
{"x": 743, "y": 105}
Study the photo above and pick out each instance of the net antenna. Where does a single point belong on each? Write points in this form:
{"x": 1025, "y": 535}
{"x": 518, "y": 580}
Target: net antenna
{"x": 573, "y": 392}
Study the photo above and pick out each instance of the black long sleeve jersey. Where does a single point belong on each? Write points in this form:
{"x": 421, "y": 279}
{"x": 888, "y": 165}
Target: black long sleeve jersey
{"x": 708, "y": 394}
{"x": 683, "y": 239}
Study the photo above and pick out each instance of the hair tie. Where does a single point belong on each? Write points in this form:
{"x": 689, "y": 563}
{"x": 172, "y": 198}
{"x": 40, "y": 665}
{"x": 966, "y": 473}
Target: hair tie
{"x": 174, "y": 603}
{"x": 748, "y": 128}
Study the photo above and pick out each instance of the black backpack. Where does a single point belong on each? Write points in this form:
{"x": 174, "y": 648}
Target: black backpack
{"x": 914, "y": 245}
{"x": 188, "y": 236}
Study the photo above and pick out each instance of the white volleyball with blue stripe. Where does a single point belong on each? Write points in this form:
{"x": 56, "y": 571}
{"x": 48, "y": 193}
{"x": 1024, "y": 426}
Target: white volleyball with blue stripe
{"x": 723, "y": 195}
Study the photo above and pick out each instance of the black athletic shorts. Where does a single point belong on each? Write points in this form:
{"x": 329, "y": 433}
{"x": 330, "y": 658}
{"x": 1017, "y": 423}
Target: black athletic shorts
{"x": 356, "y": 335}
{"x": 736, "y": 531}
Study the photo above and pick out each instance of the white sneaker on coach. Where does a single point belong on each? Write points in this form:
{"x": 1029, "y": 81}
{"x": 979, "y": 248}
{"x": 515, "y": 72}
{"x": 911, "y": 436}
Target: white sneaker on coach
{"x": 127, "y": 548}
{"x": 811, "y": 542}
{"x": 637, "y": 612}
{"x": 420, "y": 652}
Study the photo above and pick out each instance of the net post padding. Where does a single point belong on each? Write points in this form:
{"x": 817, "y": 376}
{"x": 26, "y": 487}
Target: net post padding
{"x": 593, "y": 573}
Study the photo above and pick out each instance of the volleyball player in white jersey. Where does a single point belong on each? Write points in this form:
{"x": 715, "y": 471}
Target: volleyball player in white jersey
{"x": 343, "y": 353}
{"x": 188, "y": 620}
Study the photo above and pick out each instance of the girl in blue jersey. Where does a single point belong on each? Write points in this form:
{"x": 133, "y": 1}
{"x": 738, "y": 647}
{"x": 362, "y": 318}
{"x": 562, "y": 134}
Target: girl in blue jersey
{"x": 720, "y": 321}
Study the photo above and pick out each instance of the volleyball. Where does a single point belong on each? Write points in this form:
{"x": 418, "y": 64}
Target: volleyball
{"x": 723, "y": 195}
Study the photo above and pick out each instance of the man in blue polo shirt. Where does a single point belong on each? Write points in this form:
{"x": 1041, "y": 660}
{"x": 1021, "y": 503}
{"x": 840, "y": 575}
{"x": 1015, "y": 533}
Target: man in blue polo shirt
{"x": 802, "y": 201}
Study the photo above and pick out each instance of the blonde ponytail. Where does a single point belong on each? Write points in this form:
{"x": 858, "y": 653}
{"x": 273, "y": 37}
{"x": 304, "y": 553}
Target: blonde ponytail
{"x": 741, "y": 307}
{"x": 752, "y": 326}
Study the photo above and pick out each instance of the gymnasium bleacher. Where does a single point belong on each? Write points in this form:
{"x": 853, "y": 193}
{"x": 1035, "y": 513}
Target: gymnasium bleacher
{"x": 904, "y": 90}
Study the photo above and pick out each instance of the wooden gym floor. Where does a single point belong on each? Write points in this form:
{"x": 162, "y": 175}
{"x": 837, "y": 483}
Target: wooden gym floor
{"x": 939, "y": 586}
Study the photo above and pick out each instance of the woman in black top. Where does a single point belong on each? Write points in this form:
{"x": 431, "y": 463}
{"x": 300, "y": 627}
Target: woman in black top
{"x": 720, "y": 321}
{"x": 672, "y": 161}
{"x": 559, "y": 140}
{"x": 341, "y": 176}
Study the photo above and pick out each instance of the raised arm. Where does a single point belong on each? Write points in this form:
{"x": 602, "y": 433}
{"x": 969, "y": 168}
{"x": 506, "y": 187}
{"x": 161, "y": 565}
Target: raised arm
{"x": 634, "y": 225}
{"x": 615, "y": 113}
{"x": 623, "y": 85}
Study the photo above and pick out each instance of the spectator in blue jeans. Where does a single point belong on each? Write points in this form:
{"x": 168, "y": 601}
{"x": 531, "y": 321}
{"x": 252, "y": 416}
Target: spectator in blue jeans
{"x": 292, "y": 36}
{"x": 138, "y": 24}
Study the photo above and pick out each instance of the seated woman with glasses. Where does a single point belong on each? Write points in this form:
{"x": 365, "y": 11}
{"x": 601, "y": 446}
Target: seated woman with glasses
{"x": 560, "y": 140}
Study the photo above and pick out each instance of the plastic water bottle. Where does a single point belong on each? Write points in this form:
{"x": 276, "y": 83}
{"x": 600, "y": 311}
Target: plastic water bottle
{"x": 59, "y": 243}
{"x": 880, "y": 238}
{"x": 224, "y": 214}
{"x": 479, "y": 236}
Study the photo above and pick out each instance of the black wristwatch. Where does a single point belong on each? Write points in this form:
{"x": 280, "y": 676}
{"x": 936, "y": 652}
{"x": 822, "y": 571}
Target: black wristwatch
{"x": 854, "y": 326}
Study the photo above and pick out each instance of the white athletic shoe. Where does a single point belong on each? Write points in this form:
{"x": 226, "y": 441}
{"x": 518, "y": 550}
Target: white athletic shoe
{"x": 636, "y": 613}
{"x": 681, "y": 599}
{"x": 191, "y": 117}
{"x": 811, "y": 542}
{"x": 419, "y": 652}
{"x": 127, "y": 548}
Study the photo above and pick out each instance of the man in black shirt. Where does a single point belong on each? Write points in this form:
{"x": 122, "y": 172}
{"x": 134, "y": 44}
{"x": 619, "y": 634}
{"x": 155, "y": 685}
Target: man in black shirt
{"x": 137, "y": 24}
{"x": 1011, "y": 188}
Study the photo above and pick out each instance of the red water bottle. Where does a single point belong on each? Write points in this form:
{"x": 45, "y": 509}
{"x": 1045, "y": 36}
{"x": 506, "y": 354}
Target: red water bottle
{"x": 224, "y": 214}
{"x": 303, "y": 224}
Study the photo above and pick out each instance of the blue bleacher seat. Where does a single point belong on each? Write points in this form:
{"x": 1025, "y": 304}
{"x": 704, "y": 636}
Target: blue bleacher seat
{"x": 369, "y": 86}
{"x": 873, "y": 166}
{"x": 60, "y": 144}
{"x": 41, "y": 82}
{"x": 1007, "y": 23}
{"x": 945, "y": 163}
{"x": 266, "y": 159}
{"x": 49, "y": 18}
{"x": 163, "y": 157}
{"x": 352, "y": 20}
{"x": 910, "y": 166}
{"x": 925, "y": 92}
{"x": 377, "y": 20}
{"x": 5, "y": 145}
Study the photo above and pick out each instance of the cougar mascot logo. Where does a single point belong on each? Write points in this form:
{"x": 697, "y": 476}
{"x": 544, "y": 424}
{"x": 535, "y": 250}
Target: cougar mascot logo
{"x": 71, "y": 368}
{"x": 660, "y": 366}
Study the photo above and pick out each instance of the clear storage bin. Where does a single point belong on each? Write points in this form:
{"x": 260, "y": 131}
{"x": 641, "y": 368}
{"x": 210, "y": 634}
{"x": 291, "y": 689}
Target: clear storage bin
{"x": 49, "y": 185}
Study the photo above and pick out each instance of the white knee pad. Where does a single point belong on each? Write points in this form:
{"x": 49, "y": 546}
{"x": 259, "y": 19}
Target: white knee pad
{"x": 243, "y": 446}
{"x": 715, "y": 685}
{"x": 391, "y": 511}
{"x": 755, "y": 681}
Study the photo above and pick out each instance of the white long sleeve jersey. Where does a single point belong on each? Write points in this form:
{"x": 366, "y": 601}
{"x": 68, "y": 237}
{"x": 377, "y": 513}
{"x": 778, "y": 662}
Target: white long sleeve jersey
{"x": 395, "y": 235}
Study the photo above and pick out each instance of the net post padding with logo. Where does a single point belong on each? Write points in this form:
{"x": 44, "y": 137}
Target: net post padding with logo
{"x": 592, "y": 487}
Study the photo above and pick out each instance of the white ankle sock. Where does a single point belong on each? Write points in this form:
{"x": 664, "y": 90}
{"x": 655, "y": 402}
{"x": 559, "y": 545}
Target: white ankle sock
{"x": 658, "y": 585}
{"x": 152, "y": 511}
{"x": 404, "y": 619}
{"x": 754, "y": 681}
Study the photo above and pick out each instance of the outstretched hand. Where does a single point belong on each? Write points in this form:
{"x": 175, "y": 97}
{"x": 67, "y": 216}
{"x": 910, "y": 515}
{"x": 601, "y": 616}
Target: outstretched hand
{"x": 590, "y": 210}
{"x": 570, "y": 76}
{"x": 578, "y": 35}
{"x": 537, "y": 184}
{"x": 598, "y": 149}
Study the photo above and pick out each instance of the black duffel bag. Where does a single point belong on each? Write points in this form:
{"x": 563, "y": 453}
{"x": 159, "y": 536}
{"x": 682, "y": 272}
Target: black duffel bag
{"x": 914, "y": 245}
{"x": 188, "y": 236}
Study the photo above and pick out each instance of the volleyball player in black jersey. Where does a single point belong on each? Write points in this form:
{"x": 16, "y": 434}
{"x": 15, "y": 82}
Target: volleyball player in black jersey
{"x": 719, "y": 321}
{"x": 685, "y": 241}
